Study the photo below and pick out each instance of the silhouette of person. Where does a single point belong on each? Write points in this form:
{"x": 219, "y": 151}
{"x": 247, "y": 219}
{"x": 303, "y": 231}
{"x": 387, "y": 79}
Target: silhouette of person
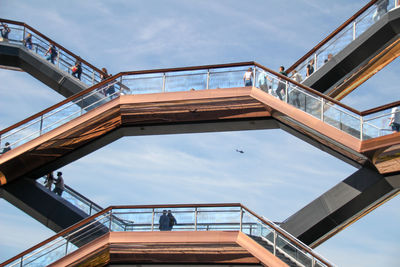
{"x": 5, "y": 31}
{"x": 164, "y": 221}
{"x": 49, "y": 180}
{"x": 6, "y": 148}
{"x": 59, "y": 185}
{"x": 171, "y": 220}
{"x": 281, "y": 83}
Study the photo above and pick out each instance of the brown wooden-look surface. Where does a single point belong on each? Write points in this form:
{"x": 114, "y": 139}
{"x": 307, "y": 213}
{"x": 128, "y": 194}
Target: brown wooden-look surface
{"x": 49, "y": 40}
{"x": 330, "y": 36}
{"x": 184, "y": 247}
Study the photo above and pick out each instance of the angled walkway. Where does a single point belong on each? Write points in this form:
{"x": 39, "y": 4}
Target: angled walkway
{"x": 342, "y": 205}
{"x": 353, "y": 53}
{"x": 58, "y": 76}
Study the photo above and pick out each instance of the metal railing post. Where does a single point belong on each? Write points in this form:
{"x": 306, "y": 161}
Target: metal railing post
{"x": 109, "y": 226}
{"x": 66, "y": 247}
{"x": 208, "y": 79}
{"x": 163, "y": 82}
{"x": 81, "y": 104}
{"x": 23, "y": 35}
{"x": 58, "y": 58}
{"x": 241, "y": 219}
{"x": 322, "y": 109}
{"x": 93, "y": 77}
{"x": 286, "y": 92}
{"x": 195, "y": 219}
{"x": 254, "y": 76}
{"x": 22, "y": 260}
{"x": 152, "y": 221}
{"x": 41, "y": 125}
{"x": 275, "y": 235}
{"x": 354, "y": 30}
{"x": 361, "y": 127}
{"x": 90, "y": 208}
{"x": 313, "y": 262}
{"x": 315, "y": 62}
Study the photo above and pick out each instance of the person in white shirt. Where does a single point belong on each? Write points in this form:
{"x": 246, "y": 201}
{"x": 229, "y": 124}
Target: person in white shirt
{"x": 247, "y": 78}
{"x": 395, "y": 119}
{"x": 295, "y": 92}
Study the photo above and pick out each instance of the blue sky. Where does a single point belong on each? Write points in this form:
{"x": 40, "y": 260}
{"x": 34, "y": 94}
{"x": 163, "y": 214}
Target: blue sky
{"x": 277, "y": 174}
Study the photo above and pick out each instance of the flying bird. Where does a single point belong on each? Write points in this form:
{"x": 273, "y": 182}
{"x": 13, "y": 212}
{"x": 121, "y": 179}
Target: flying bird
{"x": 240, "y": 151}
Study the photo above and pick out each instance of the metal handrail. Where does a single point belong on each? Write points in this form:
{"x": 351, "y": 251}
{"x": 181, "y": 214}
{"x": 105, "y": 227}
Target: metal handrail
{"x": 332, "y": 35}
{"x": 86, "y": 222}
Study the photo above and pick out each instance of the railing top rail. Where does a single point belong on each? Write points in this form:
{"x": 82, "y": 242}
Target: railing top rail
{"x": 202, "y": 67}
{"x": 333, "y": 34}
{"x": 380, "y": 108}
{"x": 289, "y": 237}
{"x": 50, "y": 40}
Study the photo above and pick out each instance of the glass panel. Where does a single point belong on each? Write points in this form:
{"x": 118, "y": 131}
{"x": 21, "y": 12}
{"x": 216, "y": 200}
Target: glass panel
{"x": 134, "y": 219}
{"x": 227, "y": 78}
{"x": 311, "y": 104}
{"x": 144, "y": 84}
{"x": 186, "y": 81}
{"x": 381, "y": 123}
{"x": 218, "y": 219}
{"x": 342, "y": 119}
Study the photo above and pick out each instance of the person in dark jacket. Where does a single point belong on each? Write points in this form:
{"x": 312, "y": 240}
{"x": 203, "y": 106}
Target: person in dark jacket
{"x": 164, "y": 221}
{"x": 5, "y": 31}
{"x": 171, "y": 220}
{"x": 77, "y": 69}
{"x": 52, "y": 51}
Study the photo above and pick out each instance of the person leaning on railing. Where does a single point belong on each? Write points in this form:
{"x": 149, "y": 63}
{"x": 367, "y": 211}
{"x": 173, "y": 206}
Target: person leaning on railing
{"x": 4, "y": 32}
{"x": 109, "y": 90}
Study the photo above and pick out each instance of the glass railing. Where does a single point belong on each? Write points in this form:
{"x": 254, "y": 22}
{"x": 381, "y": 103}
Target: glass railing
{"x": 40, "y": 44}
{"x": 348, "y": 34}
{"x": 76, "y": 199}
{"x": 321, "y": 107}
{"x": 214, "y": 217}
{"x": 83, "y": 203}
